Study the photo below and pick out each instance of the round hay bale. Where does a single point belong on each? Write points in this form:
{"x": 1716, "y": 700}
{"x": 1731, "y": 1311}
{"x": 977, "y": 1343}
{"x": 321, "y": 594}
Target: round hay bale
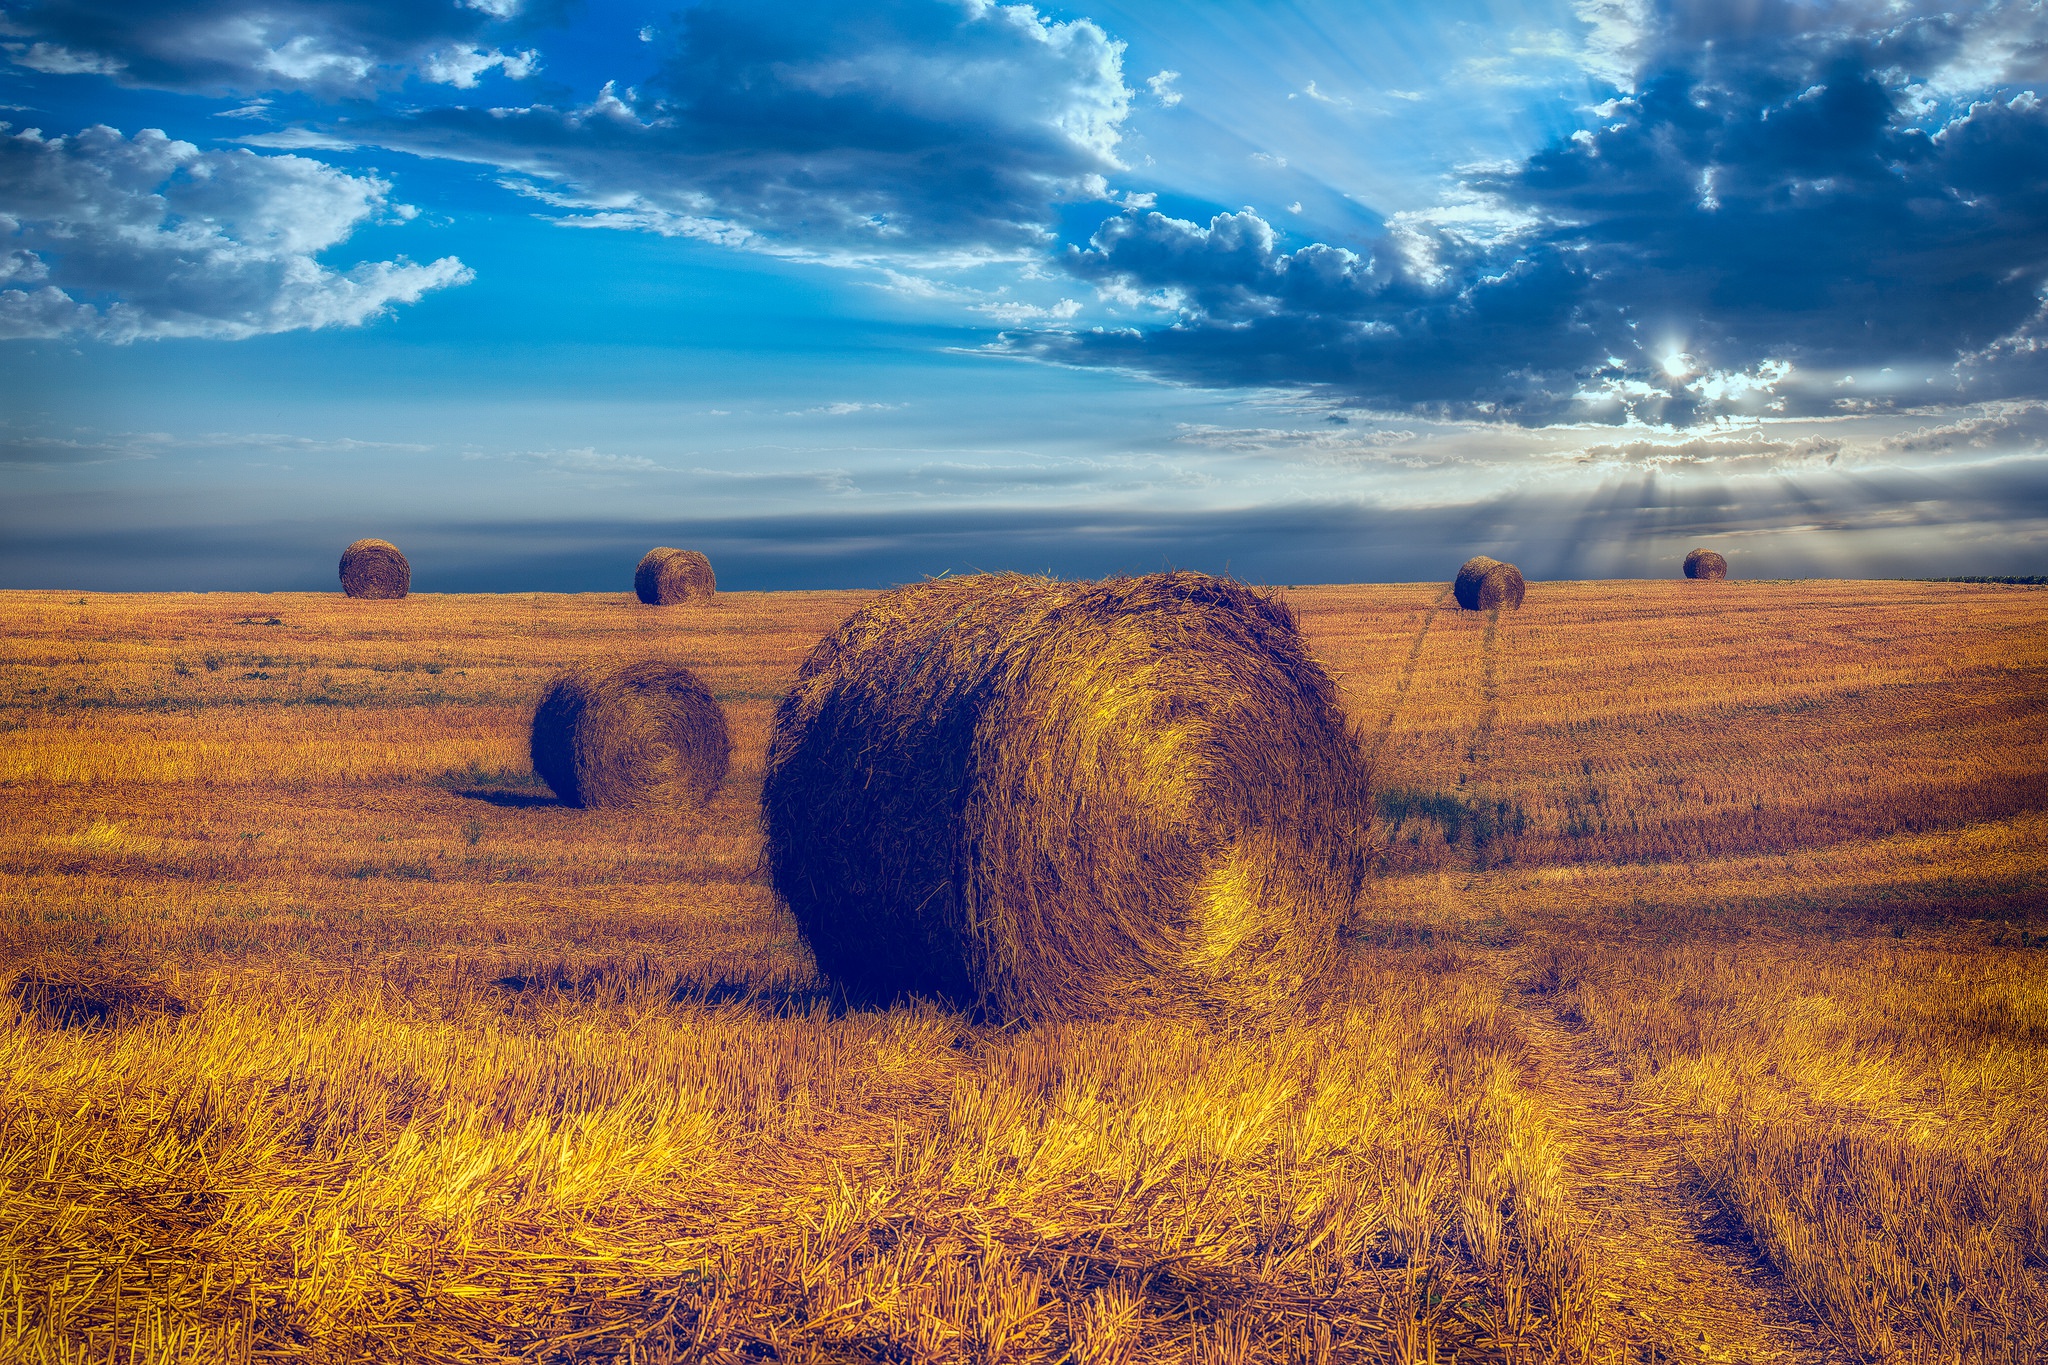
{"x": 1705, "y": 564}
{"x": 375, "y": 568}
{"x": 637, "y": 734}
{"x": 1484, "y": 583}
{"x": 667, "y": 576}
{"x": 1045, "y": 799}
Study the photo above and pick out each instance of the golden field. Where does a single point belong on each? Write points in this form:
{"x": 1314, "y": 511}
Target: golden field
{"x": 1698, "y": 1011}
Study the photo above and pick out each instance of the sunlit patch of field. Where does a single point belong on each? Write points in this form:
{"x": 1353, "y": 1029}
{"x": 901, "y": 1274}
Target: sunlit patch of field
{"x": 1698, "y": 1011}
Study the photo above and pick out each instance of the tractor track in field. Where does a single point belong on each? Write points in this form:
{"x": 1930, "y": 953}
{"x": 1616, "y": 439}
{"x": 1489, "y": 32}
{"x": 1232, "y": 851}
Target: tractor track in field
{"x": 1680, "y": 1273}
{"x": 1672, "y": 1261}
{"x": 1386, "y": 729}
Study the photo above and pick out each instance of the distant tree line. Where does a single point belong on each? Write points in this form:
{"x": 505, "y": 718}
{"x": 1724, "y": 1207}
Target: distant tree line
{"x": 2030, "y": 580}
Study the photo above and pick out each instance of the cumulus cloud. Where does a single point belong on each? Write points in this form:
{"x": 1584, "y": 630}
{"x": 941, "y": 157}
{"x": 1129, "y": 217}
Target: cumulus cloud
{"x": 880, "y": 131}
{"x": 244, "y": 46}
{"x": 2002, "y": 427}
{"x": 1771, "y": 199}
{"x": 149, "y": 237}
{"x": 1010, "y": 312}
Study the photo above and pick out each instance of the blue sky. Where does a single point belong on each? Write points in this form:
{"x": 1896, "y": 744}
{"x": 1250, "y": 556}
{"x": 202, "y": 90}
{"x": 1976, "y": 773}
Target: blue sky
{"x": 849, "y": 295}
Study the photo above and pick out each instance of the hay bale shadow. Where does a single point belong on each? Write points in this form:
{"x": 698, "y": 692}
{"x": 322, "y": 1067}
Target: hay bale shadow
{"x": 781, "y": 999}
{"x": 83, "y": 998}
{"x": 562, "y": 982}
{"x": 510, "y": 800}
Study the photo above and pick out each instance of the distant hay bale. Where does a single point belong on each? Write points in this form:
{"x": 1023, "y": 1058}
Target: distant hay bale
{"x": 1705, "y": 564}
{"x": 1050, "y": 799}
{"x": 1484, "y": 583}
{"x": 637, "y": 734}
{"x": 667, "y": 576}
{"x": 375, "y": 568}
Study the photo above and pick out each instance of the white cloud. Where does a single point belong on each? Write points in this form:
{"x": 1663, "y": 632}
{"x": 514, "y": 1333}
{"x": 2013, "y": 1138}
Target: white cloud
{"x": 1337, "y": 439}
{"x": 589, "y": 460}
{"x": 841, "y": 409}
{"x": 54, "y": 59}
{"x": 460, "y": 67}
{"x": 900, "y": 133}
{"x": 1162, "y": 89}
{"x": 1010, "y": 313}
{"x": 1619, "y": 31}
{"x": 148, "y": 237}
{"x": 252, "y": 46}
{"x": 21, "y": 265}
{"x": 98, "y": 447}
{"x": 1720, "y": 389}
{"x": 2021, "y": 426}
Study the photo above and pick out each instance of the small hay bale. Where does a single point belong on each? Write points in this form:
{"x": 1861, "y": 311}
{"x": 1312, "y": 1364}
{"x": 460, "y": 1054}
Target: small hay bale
{"x": 1045, "y": 799}
{"x": 1484, "y": 583}
{"x": 375, "y": 568}
{"x": 1705, "y": 564}
{"x": 638, "y": 734}
{"x": 667, "y": 576}
{"x": 77, "y": 996}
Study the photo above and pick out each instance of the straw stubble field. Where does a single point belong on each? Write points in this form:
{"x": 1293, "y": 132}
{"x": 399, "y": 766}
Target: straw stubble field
{"x": 1698, "y": 1010}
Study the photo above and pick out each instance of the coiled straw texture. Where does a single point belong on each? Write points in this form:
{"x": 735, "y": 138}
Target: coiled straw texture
{"x": 374, "y": 568}
{"x": 1484, "y": 583}
{"x": 1046, "y": 799}
{"x": 634, "y": 735}
{"x": 667, "y": 576}
{"x": 1705, "y": 564}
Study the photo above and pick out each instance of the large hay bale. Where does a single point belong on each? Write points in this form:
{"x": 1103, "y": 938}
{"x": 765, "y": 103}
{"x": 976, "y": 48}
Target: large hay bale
{"x": 1484, "y": 583}
{"x": 637, "y": 734}
{"x": 1064, "y": 799}
{"x": 375, "y": 568}
{"x": 667, "y": 576}
{"x": 1705, "y": 564}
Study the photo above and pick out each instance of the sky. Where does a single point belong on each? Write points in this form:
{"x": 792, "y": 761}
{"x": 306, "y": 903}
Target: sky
{"x": 849, "y": 295}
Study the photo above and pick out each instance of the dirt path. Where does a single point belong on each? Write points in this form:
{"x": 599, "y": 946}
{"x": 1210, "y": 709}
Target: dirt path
{"x": 1673, "y": 1259}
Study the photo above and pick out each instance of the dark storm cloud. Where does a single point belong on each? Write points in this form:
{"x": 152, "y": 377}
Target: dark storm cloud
{"x": 1983, "y": 518}
{"x": 1786, "y": 185}
{"x": 254, "y": 46}
{"x": 900, "y": 128}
